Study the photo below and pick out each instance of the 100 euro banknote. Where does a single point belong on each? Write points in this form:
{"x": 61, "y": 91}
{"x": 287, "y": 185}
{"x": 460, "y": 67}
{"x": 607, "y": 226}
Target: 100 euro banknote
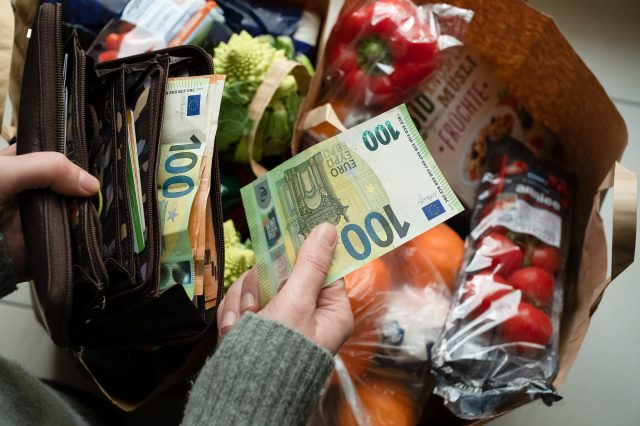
{"x": 377, "y": 183}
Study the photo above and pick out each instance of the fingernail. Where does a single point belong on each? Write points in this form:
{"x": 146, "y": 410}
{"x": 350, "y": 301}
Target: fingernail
{"x": 247, "y": 302}
{"x": 228, "y": 319}
{"x": 326, "y": 233}
{"x": 89, "y": 183}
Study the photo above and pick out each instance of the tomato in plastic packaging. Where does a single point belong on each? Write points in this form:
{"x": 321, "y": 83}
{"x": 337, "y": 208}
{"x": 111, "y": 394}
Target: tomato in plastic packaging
{"x": 471, "y": 286}
{"x": 529, "y": 325}
{"x": 488, "y": 301}
{"x": 536, "y": 284}
{"x": 112, "y": 41}
{"x": 546, "y": 257}
{"x": 506, "y": 256}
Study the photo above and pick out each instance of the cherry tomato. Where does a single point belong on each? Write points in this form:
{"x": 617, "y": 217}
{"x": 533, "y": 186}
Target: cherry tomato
{"x": 535, "y": 283}
{"x": 530, "y": 324}
{"x": 516, "y": 168}
{"x": 113, "y": 41}
{"x": 546, "y": 257}
{"x": 108, "y": 55}
{"x": 487, "y": 209}
{"x": 487, "y": 301}
{"x": 506, "y": 256}
{"x": 125, "y": 27}
{"x": 472, "y": 283}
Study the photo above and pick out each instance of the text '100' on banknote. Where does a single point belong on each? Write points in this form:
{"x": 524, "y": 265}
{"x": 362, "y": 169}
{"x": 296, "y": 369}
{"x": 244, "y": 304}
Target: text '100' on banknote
{"x": 377, "y": 183}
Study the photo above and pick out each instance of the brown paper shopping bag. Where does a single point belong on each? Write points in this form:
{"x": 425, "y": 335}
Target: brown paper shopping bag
{"x": 527, "y": 51}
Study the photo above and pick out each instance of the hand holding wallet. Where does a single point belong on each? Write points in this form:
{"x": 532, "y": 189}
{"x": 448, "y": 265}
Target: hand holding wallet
{"x": 96, "y": 290}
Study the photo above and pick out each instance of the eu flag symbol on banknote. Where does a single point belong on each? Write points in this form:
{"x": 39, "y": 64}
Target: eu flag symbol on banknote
{"x": 433, "y": 210}
{"x": 193, "y": 105}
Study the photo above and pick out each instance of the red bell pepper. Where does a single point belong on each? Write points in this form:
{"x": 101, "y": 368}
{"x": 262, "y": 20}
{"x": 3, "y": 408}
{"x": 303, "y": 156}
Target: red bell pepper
{"x": 382, "y": 49}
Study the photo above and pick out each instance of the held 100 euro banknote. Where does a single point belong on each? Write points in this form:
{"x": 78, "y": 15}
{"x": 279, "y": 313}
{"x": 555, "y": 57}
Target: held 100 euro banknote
{"x": 377, "y": 183}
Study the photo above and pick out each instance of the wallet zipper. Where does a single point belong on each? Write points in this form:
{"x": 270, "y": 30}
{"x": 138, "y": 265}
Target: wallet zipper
{"x": 167, "y": 50}
{"x": 219, "y": 230}
{"x": 52, "y": 54}
{"x": 82, "y": 67}
{"x": 151, "y": 211}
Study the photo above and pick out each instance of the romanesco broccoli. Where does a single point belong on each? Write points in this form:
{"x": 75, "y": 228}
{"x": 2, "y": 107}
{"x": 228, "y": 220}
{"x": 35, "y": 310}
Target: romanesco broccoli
{"x": 238, "y": 257}
{"x": 245, "y": 58}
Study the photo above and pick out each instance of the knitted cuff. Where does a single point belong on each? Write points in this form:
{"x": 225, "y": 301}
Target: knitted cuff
{"x": 8, "y": 278}
{"x": 262, "y": 373}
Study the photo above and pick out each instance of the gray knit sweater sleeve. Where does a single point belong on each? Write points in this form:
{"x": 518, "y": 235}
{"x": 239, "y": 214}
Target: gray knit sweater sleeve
{"x": 263, "y": 373}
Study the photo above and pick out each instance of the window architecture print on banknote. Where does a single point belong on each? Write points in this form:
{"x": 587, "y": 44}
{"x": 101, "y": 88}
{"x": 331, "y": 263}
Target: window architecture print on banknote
{"x": 308, "y": 197}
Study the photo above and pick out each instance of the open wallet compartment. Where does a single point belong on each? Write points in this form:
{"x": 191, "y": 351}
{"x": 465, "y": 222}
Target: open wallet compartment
{"x": 94, "y": 294}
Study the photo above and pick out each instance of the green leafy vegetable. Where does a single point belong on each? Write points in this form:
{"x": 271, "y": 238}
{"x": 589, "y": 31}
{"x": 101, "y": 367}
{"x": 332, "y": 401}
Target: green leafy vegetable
{"x": 245, "y": 61}
{"x": 238, "y": 257}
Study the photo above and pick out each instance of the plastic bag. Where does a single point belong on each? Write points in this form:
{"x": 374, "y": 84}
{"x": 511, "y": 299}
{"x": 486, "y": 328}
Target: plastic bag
{"x": 259, "y": 17}
{"x": 500, "y": 341}
{"x": 90, "y": 15}
{"x": 380, "y": 51}
{"x": 146, "y": 25}
{"x": 400, "y": 303}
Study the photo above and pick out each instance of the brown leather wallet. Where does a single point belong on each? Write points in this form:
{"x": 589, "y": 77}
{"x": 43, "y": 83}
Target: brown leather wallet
{"x": 94, "y": 292}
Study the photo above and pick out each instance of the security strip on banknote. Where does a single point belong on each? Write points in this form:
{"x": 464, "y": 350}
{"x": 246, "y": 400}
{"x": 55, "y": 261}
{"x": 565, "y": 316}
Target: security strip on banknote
{"x": 377, "y": 183}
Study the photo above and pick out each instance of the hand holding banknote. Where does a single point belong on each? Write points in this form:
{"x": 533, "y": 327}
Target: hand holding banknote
{"x": 323, "y": 315}
{"x": 376, "y": 183}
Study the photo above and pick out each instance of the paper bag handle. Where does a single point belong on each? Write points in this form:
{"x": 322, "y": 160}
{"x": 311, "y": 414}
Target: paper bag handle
{"x": 625, "y": 209}
{"x": 322, "y": 114}
{"x": 267, "y": 89}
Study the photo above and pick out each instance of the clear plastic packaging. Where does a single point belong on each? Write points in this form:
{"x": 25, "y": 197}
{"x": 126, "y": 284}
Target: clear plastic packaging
{"x": 400, "y": 303}
{"x": 380, "y": 51}
{"x": 146, "y": 25}
{"x": 500, "y": 340}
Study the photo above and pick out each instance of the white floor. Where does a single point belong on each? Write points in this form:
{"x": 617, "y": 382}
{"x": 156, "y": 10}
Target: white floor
{"x": 604, "y": 383}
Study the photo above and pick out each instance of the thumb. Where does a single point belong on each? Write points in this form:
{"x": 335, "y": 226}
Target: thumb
{"x": 312, "y": 265}
{"x": 46, "y": 170}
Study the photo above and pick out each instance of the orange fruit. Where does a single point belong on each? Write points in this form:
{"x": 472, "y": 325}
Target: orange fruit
{"x": 366, "y": 288}
{"x": 384, "y": 403}
{"x": 360, "y": 349}
{"x": 433, "y": 256}
{"x": 367, "y": 284}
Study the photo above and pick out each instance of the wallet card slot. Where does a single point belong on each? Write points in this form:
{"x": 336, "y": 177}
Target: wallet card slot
{"x": 84, "y": 243}
{"x": 144, "y": 95}
{"x": 145, "y": 91}
{"x": 110, "y": 163}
